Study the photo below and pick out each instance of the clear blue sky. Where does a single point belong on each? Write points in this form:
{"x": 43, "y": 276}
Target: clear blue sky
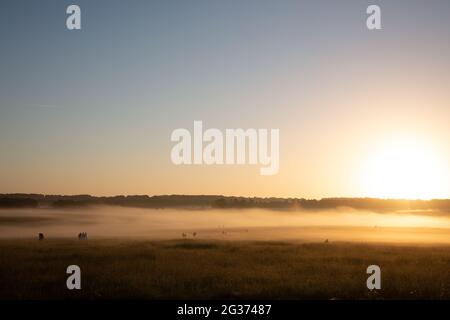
{"x": 91, "y": 111}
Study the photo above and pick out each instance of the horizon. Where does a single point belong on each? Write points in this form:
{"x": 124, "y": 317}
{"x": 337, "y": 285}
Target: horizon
{"x": 211, "y": 195}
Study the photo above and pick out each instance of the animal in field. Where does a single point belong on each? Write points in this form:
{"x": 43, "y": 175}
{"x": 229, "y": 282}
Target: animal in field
{"x": 194, "y": 234}
{"x": 41, "y": 236}
{"x": 82, "y": 236}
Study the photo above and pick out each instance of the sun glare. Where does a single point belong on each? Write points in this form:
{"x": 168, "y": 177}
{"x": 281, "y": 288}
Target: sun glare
{"x": 404, "y": 169}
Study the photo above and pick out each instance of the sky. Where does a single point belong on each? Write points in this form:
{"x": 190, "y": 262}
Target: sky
{"x": 91, "y": 111}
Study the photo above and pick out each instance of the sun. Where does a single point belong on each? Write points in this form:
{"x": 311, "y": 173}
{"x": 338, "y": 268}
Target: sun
{"x": 404, "y": 168}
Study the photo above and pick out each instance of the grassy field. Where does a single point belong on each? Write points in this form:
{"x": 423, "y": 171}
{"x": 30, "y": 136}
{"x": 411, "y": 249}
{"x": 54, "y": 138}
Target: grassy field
{"x": 197, "y": 269}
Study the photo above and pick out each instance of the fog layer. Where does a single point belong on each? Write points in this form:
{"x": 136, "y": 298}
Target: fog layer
{"x": 229, "y": 224}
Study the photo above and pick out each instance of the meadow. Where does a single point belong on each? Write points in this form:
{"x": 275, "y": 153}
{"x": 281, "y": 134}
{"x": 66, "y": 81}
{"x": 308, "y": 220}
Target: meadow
{"x": 217, "y": 269}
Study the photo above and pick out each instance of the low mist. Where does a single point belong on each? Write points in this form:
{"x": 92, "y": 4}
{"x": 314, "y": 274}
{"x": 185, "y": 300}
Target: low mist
{"x": 227, "y": 224}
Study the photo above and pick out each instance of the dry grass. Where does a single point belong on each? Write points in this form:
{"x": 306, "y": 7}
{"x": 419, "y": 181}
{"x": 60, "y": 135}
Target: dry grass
{"x": 196, "y": 269}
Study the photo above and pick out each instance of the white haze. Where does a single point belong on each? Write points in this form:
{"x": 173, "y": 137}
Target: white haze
{"x": 228, "y": 224}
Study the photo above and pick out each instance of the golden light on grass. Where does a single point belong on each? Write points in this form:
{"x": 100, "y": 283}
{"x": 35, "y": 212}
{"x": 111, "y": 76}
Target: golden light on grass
{"x": 405, "y": 168}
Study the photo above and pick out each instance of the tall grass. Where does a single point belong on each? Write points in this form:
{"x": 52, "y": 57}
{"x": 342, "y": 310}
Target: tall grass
{"x": 196, "y": 269}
